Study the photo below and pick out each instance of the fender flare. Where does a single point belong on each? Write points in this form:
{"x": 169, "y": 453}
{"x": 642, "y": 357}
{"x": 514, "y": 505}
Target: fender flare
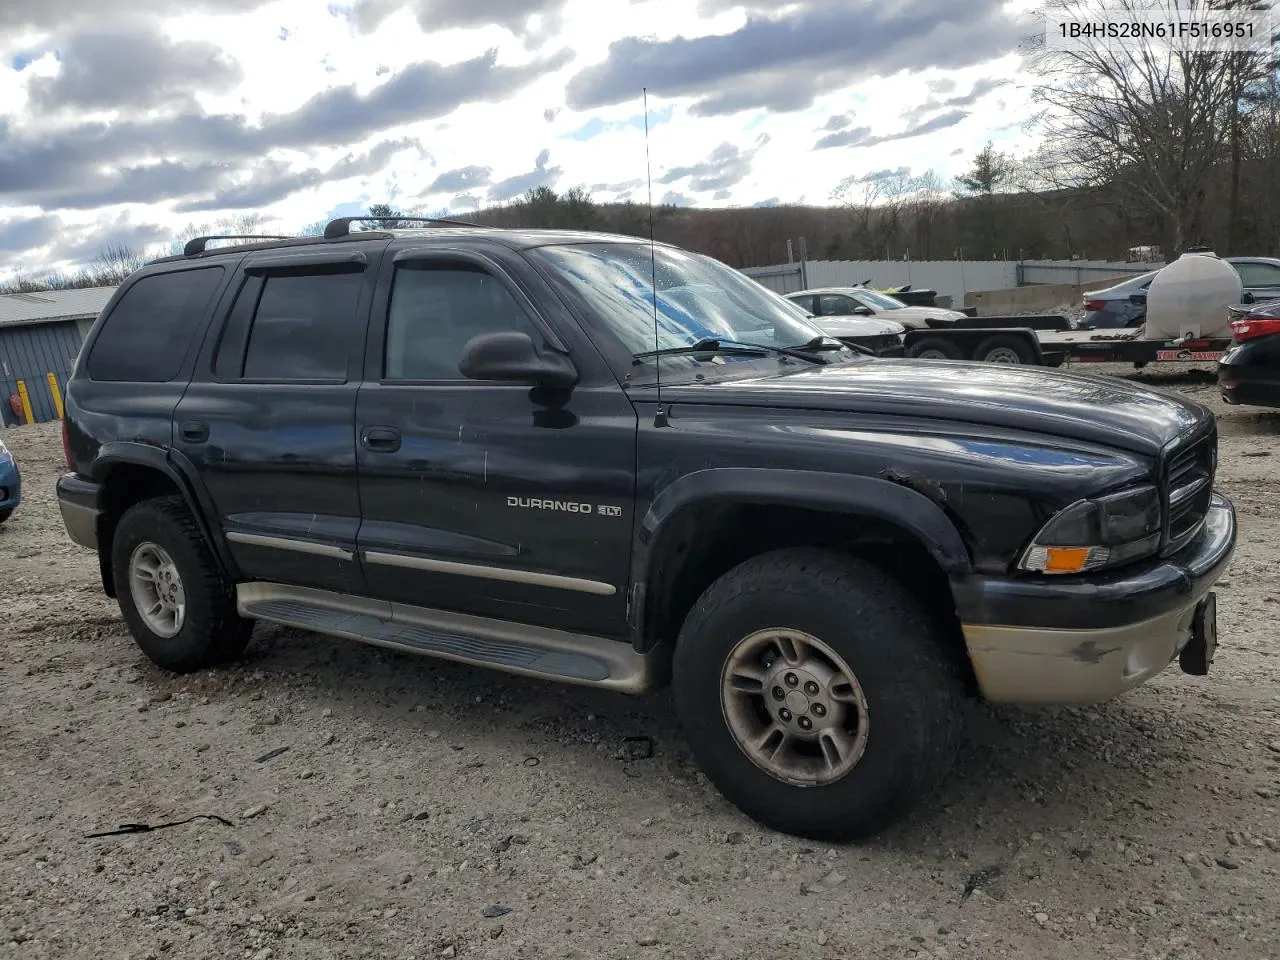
{"x": 182, "y": 473}
{"x": 892, "y": 502}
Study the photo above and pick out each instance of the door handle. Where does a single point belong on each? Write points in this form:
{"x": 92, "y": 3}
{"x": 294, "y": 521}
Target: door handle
{"x": 195, "y": 431}
{"x": 381, "y": 439}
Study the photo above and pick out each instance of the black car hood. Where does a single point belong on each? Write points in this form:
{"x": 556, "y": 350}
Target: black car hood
{"x": 1104, "y": 410}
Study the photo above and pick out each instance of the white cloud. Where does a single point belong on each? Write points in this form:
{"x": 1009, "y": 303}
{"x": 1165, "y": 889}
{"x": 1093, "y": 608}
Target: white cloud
{"x": 296, "y": 114}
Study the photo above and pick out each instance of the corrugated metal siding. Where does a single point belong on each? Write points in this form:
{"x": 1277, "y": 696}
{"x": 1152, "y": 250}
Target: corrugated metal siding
{"x": 30, "y": 353}
{"x": 53, "y": 304}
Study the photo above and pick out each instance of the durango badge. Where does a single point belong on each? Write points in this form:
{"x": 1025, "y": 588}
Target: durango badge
{"x": 566, "y": 506}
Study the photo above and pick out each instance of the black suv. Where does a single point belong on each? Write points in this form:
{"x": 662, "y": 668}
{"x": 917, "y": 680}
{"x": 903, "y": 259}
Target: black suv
{"x": 501, "y": 447}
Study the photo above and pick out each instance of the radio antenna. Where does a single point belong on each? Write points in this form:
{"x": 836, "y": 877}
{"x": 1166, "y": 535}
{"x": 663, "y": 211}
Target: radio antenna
{"x": 660, "y": 417}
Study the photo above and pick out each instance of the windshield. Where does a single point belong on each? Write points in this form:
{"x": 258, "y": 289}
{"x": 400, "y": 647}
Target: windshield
{"x": 879, "y": 300}
{"x": 698, "y": 298}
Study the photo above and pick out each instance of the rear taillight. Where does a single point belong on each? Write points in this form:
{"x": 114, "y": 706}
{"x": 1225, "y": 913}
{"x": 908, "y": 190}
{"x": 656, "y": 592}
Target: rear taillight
{"x": 66, "y": 444}
{"x": 1095, "y": 305}
{"x": 1251, "y": 328}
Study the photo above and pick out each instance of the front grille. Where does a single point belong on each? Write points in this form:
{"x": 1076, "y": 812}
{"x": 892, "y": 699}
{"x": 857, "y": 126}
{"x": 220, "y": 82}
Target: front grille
{"x": 1188, "y": 490}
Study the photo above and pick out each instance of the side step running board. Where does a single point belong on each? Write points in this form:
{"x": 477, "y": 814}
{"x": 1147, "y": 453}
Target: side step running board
{"x": 511, "y": 647}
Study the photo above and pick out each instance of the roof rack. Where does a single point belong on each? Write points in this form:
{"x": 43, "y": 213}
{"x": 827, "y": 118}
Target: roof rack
{"x": 198, "y": 244}
{"x": 342, "y": 226}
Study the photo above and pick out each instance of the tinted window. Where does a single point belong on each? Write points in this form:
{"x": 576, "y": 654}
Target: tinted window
{"x": 145, "y": 337}
{"x": 303, "y": 328}
{"x": 1258, "y": 274}
{"x": 804, "y": 303}
{"x": 435, "y": 310}
{"x": 229, "y": 360}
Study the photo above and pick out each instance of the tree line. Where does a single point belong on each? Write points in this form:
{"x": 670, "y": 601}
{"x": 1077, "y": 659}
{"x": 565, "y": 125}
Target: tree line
{"x": 1139, "y": 147}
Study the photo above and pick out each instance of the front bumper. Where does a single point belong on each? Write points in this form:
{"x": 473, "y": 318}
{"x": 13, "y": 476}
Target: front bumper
{"x": 80, "y": 502}
{"x": 1043, "y": 642}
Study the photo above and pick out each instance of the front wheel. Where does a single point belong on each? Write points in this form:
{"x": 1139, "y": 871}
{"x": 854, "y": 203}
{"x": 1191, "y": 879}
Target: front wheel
{"x": 6, "y": 514}
{"x": 177, "y": 604}
{"x": 817, "y": 694}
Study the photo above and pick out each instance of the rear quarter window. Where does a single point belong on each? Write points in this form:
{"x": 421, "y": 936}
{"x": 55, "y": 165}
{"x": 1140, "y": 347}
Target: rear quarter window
{"x": 145, "y": 337}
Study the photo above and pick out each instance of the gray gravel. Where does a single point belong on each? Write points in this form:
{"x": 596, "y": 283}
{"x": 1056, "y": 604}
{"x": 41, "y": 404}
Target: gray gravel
{"x": 387, "y": 806}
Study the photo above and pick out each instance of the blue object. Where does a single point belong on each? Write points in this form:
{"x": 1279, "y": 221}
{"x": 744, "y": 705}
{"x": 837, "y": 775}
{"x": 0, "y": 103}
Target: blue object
{"x": 10, "y": 483}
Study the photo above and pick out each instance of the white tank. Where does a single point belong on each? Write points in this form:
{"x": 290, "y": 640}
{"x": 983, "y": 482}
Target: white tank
{"x": 1190, "y": 298}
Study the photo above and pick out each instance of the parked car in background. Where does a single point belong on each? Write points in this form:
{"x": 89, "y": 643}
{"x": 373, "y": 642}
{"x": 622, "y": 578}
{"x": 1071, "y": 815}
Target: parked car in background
{"x": 1112, "y": 308}
{"x": 862, "y": 302}
{"x": 1260, "y": 276}
{"x": 10, "y": 483}
{"x": 1249, "y": 372}
{"x": 882, "y": 337}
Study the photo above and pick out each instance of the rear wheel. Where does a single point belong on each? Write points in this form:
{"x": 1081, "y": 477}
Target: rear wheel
{"x": 179, "y": 608}
{"x": 816, "y": 693}
{"x": 1004, "y": 349}
{"x": 934, "y": 348}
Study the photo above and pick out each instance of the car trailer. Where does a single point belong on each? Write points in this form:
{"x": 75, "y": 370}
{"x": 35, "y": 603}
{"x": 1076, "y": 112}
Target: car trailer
{"x": 1050, "y": 341}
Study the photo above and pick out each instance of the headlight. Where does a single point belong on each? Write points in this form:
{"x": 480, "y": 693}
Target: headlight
{"x": 1093, "y": 534}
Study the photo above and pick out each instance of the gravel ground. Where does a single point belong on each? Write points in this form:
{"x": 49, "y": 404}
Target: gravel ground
{"x": 424, "y": 809}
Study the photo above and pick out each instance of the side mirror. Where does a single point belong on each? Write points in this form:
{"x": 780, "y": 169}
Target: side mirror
{"x": 861, "y": 311}
{"x": 1248, "y": 297}
{"x": 512, "y": 357}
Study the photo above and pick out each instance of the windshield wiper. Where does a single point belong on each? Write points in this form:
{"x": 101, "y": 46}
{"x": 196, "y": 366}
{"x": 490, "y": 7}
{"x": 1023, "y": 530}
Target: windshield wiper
{"x": 729, "y": 348}
{"x": 822, "y": 344}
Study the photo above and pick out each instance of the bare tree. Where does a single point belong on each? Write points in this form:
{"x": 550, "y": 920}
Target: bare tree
{"x": 927, "y": 202}
{"x": 875, "y": 202}
{"x": 114, "y": 263}
{"x": 1250, "y": 79}
{"x": 1143, "y": 117}
{"x": 240, "y": 225}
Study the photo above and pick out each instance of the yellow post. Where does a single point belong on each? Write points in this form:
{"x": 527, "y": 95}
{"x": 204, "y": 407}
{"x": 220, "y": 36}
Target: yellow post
{"x": 55, "y": 393}
{"x": 26, "y": 401}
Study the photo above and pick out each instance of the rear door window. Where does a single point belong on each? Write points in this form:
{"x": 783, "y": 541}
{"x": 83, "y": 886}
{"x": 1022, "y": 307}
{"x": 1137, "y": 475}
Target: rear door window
{"x": 295, "y": 325}
{"x": 145, "y": 337}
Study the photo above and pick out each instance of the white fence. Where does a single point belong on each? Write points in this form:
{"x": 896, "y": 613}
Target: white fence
{"x": 950, "y": 278}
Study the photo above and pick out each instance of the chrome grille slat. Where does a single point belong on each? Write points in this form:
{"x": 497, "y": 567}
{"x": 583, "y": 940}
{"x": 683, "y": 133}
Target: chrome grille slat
{"x": 1188, "y": 489}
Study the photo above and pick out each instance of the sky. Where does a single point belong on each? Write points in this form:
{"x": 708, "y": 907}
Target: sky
{"x": 124, "y": 121}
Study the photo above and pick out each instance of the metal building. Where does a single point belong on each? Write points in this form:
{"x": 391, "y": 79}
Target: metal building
{"x": 40, "y": 335}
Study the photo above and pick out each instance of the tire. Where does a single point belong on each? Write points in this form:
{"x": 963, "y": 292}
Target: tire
{"x": 935, "y": 348}
{"x": 1009, "y": 350}
{"x": 6, "y": 514}
{"x": 209, "y": 631}
{"x": 912, "y": 690}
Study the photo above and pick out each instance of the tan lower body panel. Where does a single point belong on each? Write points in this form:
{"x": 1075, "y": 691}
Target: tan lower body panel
{"x": 1045, "y": 666}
